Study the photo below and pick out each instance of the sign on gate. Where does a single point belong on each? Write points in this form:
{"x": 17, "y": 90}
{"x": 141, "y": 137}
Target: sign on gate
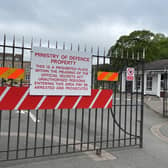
{"x": 130, "y": 74}
{"x": 61, "y": 111}
{"x": 60, "y": 72}
{"x": 11, "y": 73}
{"x": 107, "y": 76}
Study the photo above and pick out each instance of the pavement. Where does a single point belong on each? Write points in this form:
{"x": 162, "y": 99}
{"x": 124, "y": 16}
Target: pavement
{"x": 156, "y": 104}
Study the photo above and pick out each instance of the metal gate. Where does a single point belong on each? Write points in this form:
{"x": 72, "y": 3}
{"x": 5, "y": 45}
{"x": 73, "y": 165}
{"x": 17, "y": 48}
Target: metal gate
{"x": 165, "y": 94}
{"x": 36, "y": 133}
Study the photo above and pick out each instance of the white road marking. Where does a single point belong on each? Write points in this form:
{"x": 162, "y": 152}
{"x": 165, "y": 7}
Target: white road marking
{"x": 104, "y": 155}
{"x": 32, "y": 116}
{"x": 21, "y": 111}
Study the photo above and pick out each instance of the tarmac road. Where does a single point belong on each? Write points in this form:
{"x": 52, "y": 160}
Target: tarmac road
{"x": 153, "y": 155}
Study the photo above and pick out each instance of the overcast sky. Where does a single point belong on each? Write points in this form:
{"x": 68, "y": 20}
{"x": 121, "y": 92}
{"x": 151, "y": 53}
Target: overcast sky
{"x": 91, "y": 22}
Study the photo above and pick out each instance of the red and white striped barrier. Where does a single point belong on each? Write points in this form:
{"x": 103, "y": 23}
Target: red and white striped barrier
{"x": 18, "y": 98}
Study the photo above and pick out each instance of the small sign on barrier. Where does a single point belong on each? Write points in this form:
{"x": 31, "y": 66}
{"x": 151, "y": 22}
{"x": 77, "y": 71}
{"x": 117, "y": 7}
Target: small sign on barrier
{"x": 11, "y": 73}
{"x": 107, "y": 76}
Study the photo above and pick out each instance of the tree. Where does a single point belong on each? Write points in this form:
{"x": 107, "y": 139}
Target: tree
{"x": 133, "y": 45}
{"x": 162, "y": 43}
{"x": 136, "y": 42}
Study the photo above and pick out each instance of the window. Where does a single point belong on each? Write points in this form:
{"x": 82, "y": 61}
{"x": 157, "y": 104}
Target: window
{"x": 149, "y": 82}
{"x": 16, "y": 59}
{"x": 9, "y": 65}
{"x": 8, "y": 58}
{"x": 18, "y": 65}
{"x": 138, "y": 82}
{"x": 27, "y": 68}
{"x": 162, "y": 82}
{"x": 27, "y": 77}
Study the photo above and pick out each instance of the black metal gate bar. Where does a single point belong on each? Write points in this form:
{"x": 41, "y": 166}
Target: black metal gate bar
{"x": 56, "y": 132}
{"x": 3, "y": 58}
{"x": 9, "y": 131}
{"x": 95, "y": 129}
{"x": 52, "y": 131}
{"x": 120, "y": 108}
{"x": 165, "y": 94}
{"x": 137, "y": 96}
{"x": 130, "y": 142}
{"x": 114, "y": 102}
{"x": 74, "y": 137}
{"x": 36, "y": 128}
{"x": 125, "y": 110}
{"x": 88, "y": 136}
{"x": 18, "y": 134}
{"x": 142, "y": 101}
{"x": 27, "y": 134}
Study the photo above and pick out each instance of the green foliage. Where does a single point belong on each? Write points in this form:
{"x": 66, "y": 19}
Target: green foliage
{"x": 133, "y": 45}
{"x": 155, "y": 45}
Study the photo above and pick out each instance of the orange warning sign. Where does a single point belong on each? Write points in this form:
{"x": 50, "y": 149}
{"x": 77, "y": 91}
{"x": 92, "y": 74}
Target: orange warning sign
{"x": 11, "y": 73}
{"x": 107, "y": 76}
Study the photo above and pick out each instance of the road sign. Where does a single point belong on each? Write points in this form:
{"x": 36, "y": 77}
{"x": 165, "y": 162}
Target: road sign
{"x": 130, "y": 74}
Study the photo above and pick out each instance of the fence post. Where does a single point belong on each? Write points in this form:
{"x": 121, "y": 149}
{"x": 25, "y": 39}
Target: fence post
{"x": 142, "y": 102}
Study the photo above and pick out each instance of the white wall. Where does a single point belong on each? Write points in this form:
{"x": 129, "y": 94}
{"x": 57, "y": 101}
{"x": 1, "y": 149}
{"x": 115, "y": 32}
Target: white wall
{"x": 158, "y": 84}
{"x": 123, "y": 81}
{"x": 156, "y": 77}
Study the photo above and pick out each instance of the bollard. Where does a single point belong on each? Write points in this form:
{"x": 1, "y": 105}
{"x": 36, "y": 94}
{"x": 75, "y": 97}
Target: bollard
{"x": 98, "y": 152}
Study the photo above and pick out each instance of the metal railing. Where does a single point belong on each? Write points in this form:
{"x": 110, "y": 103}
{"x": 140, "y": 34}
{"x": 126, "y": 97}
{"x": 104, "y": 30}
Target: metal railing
{"x": 34, "y": 133}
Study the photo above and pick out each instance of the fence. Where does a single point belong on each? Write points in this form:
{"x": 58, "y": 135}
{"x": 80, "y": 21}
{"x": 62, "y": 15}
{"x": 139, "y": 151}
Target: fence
{"x": 165, "y": 95}
{"x": 34, "y": 133}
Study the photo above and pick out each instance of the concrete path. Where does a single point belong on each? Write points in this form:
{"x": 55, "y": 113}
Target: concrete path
{"x": 154, "y": 103}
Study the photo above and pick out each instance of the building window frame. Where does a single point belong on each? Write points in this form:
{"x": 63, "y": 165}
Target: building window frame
{"x": 137, "y": 82}
{"x": 9, "y": 65}
{"x": 162, "y": 82}
{"x": 27, "y": 77}
{"x": 149, "y": 82}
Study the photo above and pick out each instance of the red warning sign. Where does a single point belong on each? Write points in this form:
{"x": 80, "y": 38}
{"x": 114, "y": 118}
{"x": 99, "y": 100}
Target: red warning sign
{"x": 130, "y": 74}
